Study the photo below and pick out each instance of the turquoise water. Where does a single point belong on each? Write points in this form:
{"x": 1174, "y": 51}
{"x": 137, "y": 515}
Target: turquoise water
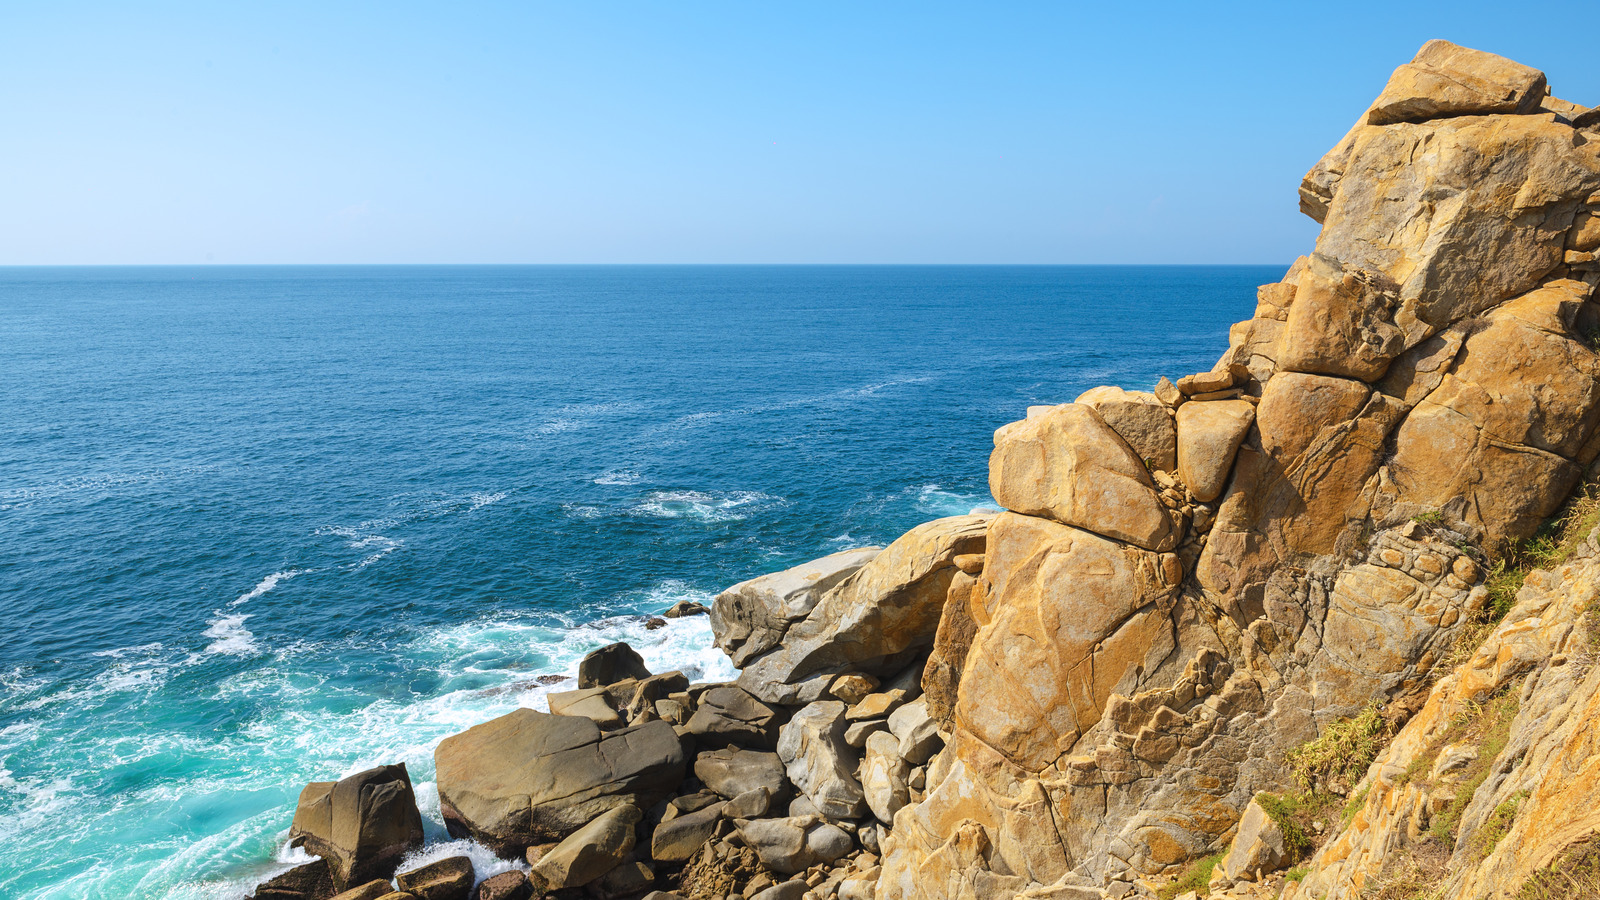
{"x": 260, "y": 526}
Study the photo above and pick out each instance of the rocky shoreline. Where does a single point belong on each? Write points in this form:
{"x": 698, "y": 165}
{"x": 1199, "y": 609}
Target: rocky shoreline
{"x": 1079, "y": 696}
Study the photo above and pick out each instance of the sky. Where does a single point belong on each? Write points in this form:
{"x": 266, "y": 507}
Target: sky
{"x": 623, "y": 132}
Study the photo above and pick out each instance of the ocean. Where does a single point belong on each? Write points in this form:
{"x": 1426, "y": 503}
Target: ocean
{"x": 263, "y": 526}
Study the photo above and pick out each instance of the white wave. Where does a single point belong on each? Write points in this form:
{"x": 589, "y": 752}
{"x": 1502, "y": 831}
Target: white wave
{"x": 705, "y": 506}
{"x": 267, "y": 584}
{"x": 618, "y": 476}
{"x": 482, "y": 499}
{"x": 229, "y": 637}
{"x": 90, "y": 486}
{"x": 581, "y": 511}
{"x": 120, "y": 652}
{"x": 485, "y": 864}
{"x": 365, "y": 537}
{"x": 936, "y": 500}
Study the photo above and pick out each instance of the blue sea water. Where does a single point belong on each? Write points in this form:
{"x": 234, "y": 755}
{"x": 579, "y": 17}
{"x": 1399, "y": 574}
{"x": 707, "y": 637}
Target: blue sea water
{"x": 260, "y": 526}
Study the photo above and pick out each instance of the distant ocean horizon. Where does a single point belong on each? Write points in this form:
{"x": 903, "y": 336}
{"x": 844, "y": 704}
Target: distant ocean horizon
{"x": 263, "y": 525}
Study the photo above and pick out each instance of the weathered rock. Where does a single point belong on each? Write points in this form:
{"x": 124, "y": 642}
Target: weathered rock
{"x": 819, "y": 761}
{"x": 1209, "y": 435}
{"x": 505, "y": 886}
{"x": 916, "y": 733}
{"x": 446, "y": 879}
{"x": 883, "y": 776}
{"x": 751, "y": 617}
{"x": 589, "y": 852}
{"x": 628, "y": 879}
{"x": 528, "y": 777}
{"x": 1206, "y": 382}
{"x": 655, "y": 688}
{"x": 730, "y": 715}
{"x": 1341, "y": 323}
{"x": 1141, "y": 420}
{"x": 734, "y": 771}
{"x": 1068, "y": 465}
{"x": 602, "y": 705}
{"x": 874, "y": 621}
{"x": 1257, "y": 847}
{"x": 789, "y": 890}
{"x": 852, "y": 687}
{"x": 1075, "y": 616}
{"x": 941, "y": 677}
{"x": 685, "y": 608}
{"x": 875, "y": 706}
{"x": 1446, "y": 80}
{"x": 611, "y": 664}
{"x": 796, "y": 843}
{"x": 310, "y": 881}
{"x": 751, "y": 804}
{"x": 376, "y": 889}
{"x": 679, "y": 838}
{"x": 362, "y": 825}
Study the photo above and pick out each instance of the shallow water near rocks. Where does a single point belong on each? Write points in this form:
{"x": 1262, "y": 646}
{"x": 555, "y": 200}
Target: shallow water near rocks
{"x": 260, "y": 526}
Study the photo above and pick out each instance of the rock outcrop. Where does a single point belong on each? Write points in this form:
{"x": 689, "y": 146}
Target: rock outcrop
{"x": 362, "y": 825}
{"x": 1080, "y": 696}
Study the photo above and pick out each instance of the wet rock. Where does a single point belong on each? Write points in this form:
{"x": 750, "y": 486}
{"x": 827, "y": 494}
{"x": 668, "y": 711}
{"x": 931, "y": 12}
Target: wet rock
{"x": 505, "y": 886}
{"x": 362, "y": 825}
{"x": 310, "y": 881}
{"x": 589, "y": 852}
{"x": 685, "y": 608}
{"x": 446, "y": 879}
{"x": 611, "y": 664}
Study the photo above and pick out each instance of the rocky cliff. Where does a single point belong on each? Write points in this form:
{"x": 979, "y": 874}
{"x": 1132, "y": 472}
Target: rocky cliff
{"x": 1263, "y": 617}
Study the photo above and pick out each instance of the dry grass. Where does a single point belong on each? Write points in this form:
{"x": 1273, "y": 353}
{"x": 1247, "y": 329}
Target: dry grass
{"x": 1196, "y": 878}
{"x": 1341, "y": 755}
{"x": 1574, "y": 876}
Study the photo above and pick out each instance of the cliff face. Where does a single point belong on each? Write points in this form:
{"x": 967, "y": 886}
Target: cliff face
{"x": 1152, "y": 633}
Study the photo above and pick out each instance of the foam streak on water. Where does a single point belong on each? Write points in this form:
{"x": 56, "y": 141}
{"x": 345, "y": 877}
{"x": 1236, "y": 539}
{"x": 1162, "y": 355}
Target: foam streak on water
{"x": 265, "y": 526}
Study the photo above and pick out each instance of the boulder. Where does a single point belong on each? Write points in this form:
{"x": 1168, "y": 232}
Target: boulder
{"x": 376, "y": 889}
{"x": 853, "y": 686}
{"x": 310, "y": 881}
{"x": 362, "y": 825}
{"x": 819, "y": 761}
{"x": 1209, "y": 435}
{"x": 734, "y": 771}
{"x": 794, "y": 844}
{"x": 1206, "y": 382}
{"x": 511, "y": 885}
{"x": 1258, "y": 847}
{"x": 875, "y": 706}
{"x": 1069, "y": 466}
{"x": 679, "y": 838}
{"x": 1446, "y": 80}
{"x": 883, "y": 776}
{"x": 650, "y": 690}
{"x": 627, "y": 880}
{"x": 686, "y": 608}
{"x": 876, "y": 621}
{"x": 1077, "y": 616}
{"x": 600, "y": 705}
{"x": 751, "y": 617}
{"x": 611, "y": 664}
{"x": 528, "y": 777}
{"x": 728, "y": 715}
{"x": 447, "y": 879}
{"x": 752, "y": 804}
{"x": 589, "y": 852}
{"x": 1141, "y": 420}
{"x": 916, "y": 733}
{"x": 1342, "y": 322}
{"x": 788, "y": 890}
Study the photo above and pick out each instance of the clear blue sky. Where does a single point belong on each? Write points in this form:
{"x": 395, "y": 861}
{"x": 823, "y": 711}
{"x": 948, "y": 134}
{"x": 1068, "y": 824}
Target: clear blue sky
{"x": 701, "y": 132}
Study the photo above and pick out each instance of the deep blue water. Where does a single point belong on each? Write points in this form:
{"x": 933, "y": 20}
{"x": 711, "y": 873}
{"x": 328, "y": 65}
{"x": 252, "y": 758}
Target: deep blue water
{"x": 260, "y": 526}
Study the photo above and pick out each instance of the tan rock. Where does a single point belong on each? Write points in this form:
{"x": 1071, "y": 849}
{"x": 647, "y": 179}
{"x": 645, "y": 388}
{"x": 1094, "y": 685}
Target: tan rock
{"x": 1342, "y": 323}
{"x": 883, "y": 776}
{"x": 1068, "y": 465}
{"x": 1446, "y": 80}
{"x": 751, "y": 617}
{"x": 1209, "y": 434}
{"x": 941, "y": 678}
{"x": 362, "y": 825}
{"x": 1141, "y": 420}
{"x": 820, "y": 762}
{"x": 1257, "y": 847}
{"x": 1168, "y": 393}
{"x": 874, "y": 620}
{"x": 589, "y": 852}
{"x": 1076, "y": 614}
{"x": 1205, "y": 382}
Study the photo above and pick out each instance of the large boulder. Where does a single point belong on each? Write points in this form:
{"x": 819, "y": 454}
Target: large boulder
{"x": 751, "y": 617}
{"x": 883, "y": 776}
{"x": 729, "y": 715}
{"x": 1446, "y": 80}
{"x": 611, "y": 664}
{"x": 875, "y": 621}
{"x": 820, "y": 762}
{"x": 529, "y": 777}
{"x": 362, "y": 825}
{"x": 1341, "y": 323}
{"x": 796, "y": 843}
{"x": 680, "y": 837}
{"x": 589, "y": 852}
{"x": 734, "y": 771}
{"x": 1068, "y": 465}
{"x": 446, "y": 879}
{"x": 1209, "y": 435}
{"x": 1140, "y": 419}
